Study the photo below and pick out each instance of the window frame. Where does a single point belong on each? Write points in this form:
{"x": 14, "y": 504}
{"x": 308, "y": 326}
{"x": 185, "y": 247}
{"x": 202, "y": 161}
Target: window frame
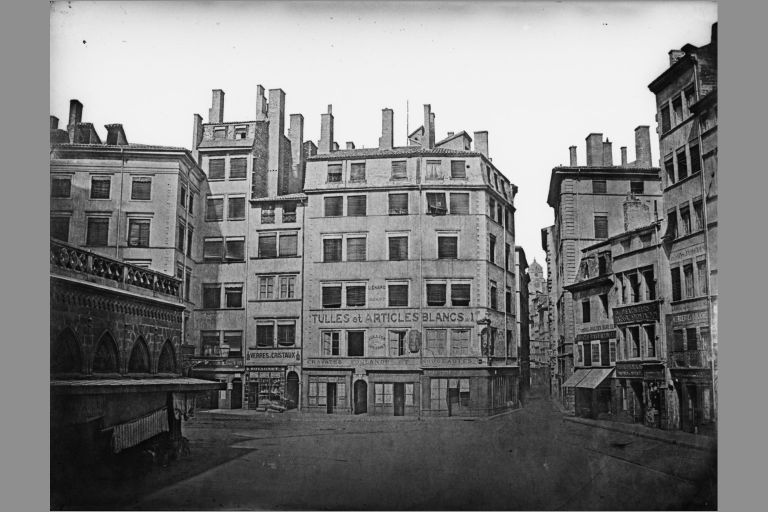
{"x": 455, "y": 164}
{"x": 101, "y": 178}
{"x": 407, "y": 285}
{"x": 601, "y": 190}
{"x": 89, "y": 242}
{"x": 55, "y": 188}
{"x": 356, "y": 167}
{"x": 447, "y": 235}
{"x": 141, "y": 179}
{"x": 211, "y": 211}
{"x": 139, "y": 221}
{"x": 223, "y": 166}
{"x": 230, "y": 198}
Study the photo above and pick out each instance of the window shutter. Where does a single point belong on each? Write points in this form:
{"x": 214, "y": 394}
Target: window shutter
{"x": 264, "y": 335}
{"x": 332, "y": 249}
{"x": 356, "y": 206}
{"x": 235, "y": 250}
{"x": 211, "y": 296}
{"x": 238, "y": 168}
{"x": 100, "y": 188}
{"x": 98, "y": 232}
{"x": 458, "y": 169}
{"x": 399, "y": 170}
{"x": 436, "y": 294}
{"x": 216, "y": 169}
{"x": 236, "y": 207}
{"x": 398, "y": 248}
{"x": 398, "y": 295}
{"x": 141, "y": 189}
{"x": 214, "y": 209}
{"x": 212, "y": 250}
{"x": 355, "y": 295}
{"x": 61, "y": 187}
{"x": 398, "y": 204}
{"x": 267, "y": 246}
{"x": 332, "y": 296}
{"x": 286, "y": 335}
{"x": 334, "y": 173}
{"x": 459, "y": 204}
{"x": 288, "y": 245}
{"x": 460, "y": 294}
{"x": 601, "y": 226}
{"x": 356, "y": 249}
{"x": 333, "y": 206}
{"x": 357, "y": 172}
{"x": 599, "y": 187}
{"x": 447, "y": 247}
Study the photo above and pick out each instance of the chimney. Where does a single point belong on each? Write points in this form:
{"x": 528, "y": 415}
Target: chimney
{"x": 481, "y": 142}
{"x": 310, "y": 149}
{"x": 85, "y": 133}
{"x": 386, "y": 140}
{"x": 54, "y": 122}
{"x": 335, "y": 146}
{"x": 594, "y": 150}
{"x": 450, "y": 134}
{"x": 197, "y": 131}
{"x": 675, "y": 55}
{"x": 261, "y": 104}
{"x": 642, "y": 146}
{"x": 350, "y": 145}
{"x": 75, "y": 116}
{"x": 572, "y": 149}
{"x": 623, "y": 156}
{"x": 276, "y": 143}
{"x": 116, "y": 135}
{"x": 431, "y": 129}
{"x": 216, "y": 112}
{"x": 607, "y": 153}
{"x": 429, "y": 138}
{"x": 326, "y": 132}
{"x": 296, "y": 136}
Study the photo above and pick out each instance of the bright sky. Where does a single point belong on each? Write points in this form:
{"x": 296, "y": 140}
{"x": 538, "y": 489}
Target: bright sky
{"x": 538, "y": 76}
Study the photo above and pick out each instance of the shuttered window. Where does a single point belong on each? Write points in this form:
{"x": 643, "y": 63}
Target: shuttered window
{"x": 216, "y": 169}
{"x": 436, "y": 203}
{"x": 332, "y": 296}
{"x": 212, "y": 249}
{"x": 60, "y": 228}
{"x": 447, "y": 247}
{"x": 356, "y": 206}
{"x": 189, "y": 241}
{"x": 234, "y": 339}
{"x": 682, "y": 165}
{"x": 286, "y": 335}
{"x": 355, "y": 343}
{"x": 334, "y": 206}
{"x": 599, "y": 187}
{"x": 233, "y": 294}
{"x": 399, "y": 171}
{"x": 356, "y": 249}
{"x": 61, "y": 187}
{"x": 398, "y": 204}
{"x": 334, "y": 173}
{"x": 211, "y": 296}
{"x": 397, "y": 295}
{"x": 98, "y": 232}
{"x": 355, "y": 295}
{"x": 236, "y": 208}
{"x": 101, "y": 187}
{"x": 141, "y": 189}
{"x": 265, "y": 335}
{"x": 398, "y": 248}
{"x": 332, "y": 249}
{"x": 458, "y": 169}
{"x": 238, "y": 167}
{"x": 214, "y": 209}
{"x": 459, "y": 204}
{"x": 268, "y": 246}
{"x": 138, "y": 233}
{"x": 436, "y": 294}
{"x": 436, "y": 342}
{"x": 460, "y": 294}
{"x": 235, "y": 249}
{"x": 357, "y": 172}
{"x": 601, "y": 226}
{"x": 665, "y": 121}
{"x": 695, "y": 158}
{"x": 288, "y": 244}
{"x": 180, "y": 234}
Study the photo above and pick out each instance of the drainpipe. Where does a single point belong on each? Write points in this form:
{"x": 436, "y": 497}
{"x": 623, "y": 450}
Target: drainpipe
{"x": 420, "y": 285}
{"x": 120, "y": 204}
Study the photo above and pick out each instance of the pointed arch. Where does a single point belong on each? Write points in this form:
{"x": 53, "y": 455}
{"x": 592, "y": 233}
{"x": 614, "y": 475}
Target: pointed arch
{"x": 166, "y": 363}
{"x": 66, "y": 356}
{"x": 106, "y": 358}
{"x": 138, "y": 362}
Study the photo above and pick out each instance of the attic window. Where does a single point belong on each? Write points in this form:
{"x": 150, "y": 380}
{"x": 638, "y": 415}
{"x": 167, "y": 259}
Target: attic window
{"x": 241, "y": 132}
{"x": 220, "y": 133}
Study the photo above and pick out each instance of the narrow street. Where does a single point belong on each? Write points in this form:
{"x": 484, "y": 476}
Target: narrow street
{"x": 527, "y": 460}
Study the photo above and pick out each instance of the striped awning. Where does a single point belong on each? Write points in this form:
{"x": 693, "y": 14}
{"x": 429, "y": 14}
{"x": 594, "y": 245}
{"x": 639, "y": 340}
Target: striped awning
{"x": 135, "y": 431}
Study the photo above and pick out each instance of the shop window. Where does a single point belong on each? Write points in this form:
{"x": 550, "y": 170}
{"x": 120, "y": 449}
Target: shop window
{"x": 355, "y": 343}
{"x": 334, "y": 173}
{"x": 141, "y": 189}
{"x": 356, "y": 206}
{"x": 398, "y": 204}
{"x": 586, "y": 352}
{"x": 330, "y": 343}
{"x": 382, "y": 393}
{"x": 61, "y": 187}
{"x": 399, "y": 170}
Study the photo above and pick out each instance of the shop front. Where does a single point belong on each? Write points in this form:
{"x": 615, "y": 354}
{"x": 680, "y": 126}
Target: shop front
{"x": 272, "y": 379}
{"x": 327, "y": 391}
{"x": 694, "y": 393}
{"x": 228, "y": 372}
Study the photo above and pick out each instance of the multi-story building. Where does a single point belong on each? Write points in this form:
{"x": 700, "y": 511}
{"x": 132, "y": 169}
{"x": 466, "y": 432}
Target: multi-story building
{"x": 408, "y": 277}
{"x": 522, "y": 317}
{"x": 686, "y": 100}
{"x": 555, "y": 359}
{"x": 588, "y": 202}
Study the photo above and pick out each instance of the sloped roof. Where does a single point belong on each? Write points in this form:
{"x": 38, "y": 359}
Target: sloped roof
{"x": 346, "y": 154}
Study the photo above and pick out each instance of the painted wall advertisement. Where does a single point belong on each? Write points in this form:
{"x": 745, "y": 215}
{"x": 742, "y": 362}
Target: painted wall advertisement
{"x": 636, "y": 313}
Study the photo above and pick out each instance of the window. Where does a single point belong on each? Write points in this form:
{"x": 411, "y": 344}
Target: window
{"x": 189, "y": 241}
{"x": 356, "y": 206}
{"x": 383, "y": 393}
{"x": 665, "y": 121}
{"x": 100, "y": 187}
{"x": 690, "y": 96}
{"x": 334, "y": 206}
{"x": 691, "y": 339}
{"x": 334, "y": 173}
{"x": 398, "y": 204}
{"x": 634, "y": 287}
{"x": 266, "y": 287}
{"x": 669, "y": 167}
{"x": 210, "y": 342}
{"x": 241, "y": 132}
{"x": 695, "y": 158}
{"x": 460, "y": 294}
{"x": 688, "y": 276}
{"x": 491, "y": 208}
{"x": 355, "y": 295}
{"x": 287, "y": 287}
{"x": 699, "y": 214}
{"x": 459, "y": 342}
{"x": 356, "y": 249}
{"x": 289, "y": 212}
{"x": 581, "y": 354}
{"x": 682, "y": 165}
{"x": 679, "y": 340}
{"x": 672, "y": 223}
{"x": 98, "y": 231}
{"x": 704, "y": 336}
{"x": 612, "y": 351}
{"x": 289, "y": 244}
{"x": 234, "y": 339}
{"x": 216, "y": 169}
{"x": 238, "y": 168}
{"x": 494, "y": 299}
{"x": 190, "y": 206}
{"x": 220, "y": 132}
{"x": 585, "y": 312}
{"x": 701, "y": 268}
{"x": 235, "y": 248}
{"x": 458, "y": 169}
{"x": 357, "y": 172}
{"x": 685, "y": 219}
{"x": 492, "y": 249}
{"x": 233, "y": 295}
{"x": 265, "y": 335}
{"x": 634, "y": 341}
{"x": 138, "y": 233}
{"x": 637, "y": 187}
{"x": 598, "y": 187}
{"x": 676, "y": 286}
{"x": 330, "y": 343}
{"x": 141, "y": 189}
{"x": 601, "y": 226}
{"x": 187, "y": 284}
{"x": 60, "y": 228}
{"x": 436, "y": 342}
{"x": 214, "y": 209}
{"x": 434, "y": 171}
{"x": 211, "y": 296}
{"x": 399, "y": 170}
{"x": 268, "y": 245}
{"x": 355, "y": 343}
{"x": 508, "y": 301}
{"x": 61, "y": 187}
{"x": 181, "y": 233}
{"x": 436, "y": 203}
{"x": 286, "y": 334}
{"x": 602, "y": 265}
{"x": 650, "y": 336}
{"x": 459, "y": 204}
{"x": 236, "y": 208}
{"x": 397, "y": 294}
{"x": 436, "y": 294}
{"x": 268, "y": 214}
{"x": 500, "y": 214}
{"x": 507, "y": 255}
{"x": 332, "y": 296}
{"x": 604, "y": 304}
{"x": 447, "y": 247}
{"x": 183, "y": 196}
{"x": 212, "y": 249}
{"x": 331, "y": 249}
{"x": 650, "y": 284}
{"x": 397, "y": 343}
{"x": 398, "y": 248}
{"x": 677, "y": 108}
{"x": 595, "y": 349}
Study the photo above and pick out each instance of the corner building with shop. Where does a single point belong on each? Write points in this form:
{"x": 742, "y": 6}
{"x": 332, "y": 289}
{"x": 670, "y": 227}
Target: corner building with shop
{"x": 409, "y": 288}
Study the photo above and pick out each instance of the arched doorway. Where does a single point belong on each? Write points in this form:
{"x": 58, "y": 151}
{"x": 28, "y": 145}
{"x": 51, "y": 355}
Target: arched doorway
{"x": 292, "y": 390}
{"x": 361, "y": 397}
{"x": 237, "y": 394}
{"x": 65, "y": 353}
{"x": 105, "y": 360}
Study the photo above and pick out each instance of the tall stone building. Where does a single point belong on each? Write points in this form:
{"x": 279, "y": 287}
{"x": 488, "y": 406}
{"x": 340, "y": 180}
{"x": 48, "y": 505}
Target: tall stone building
{"x": 408, "y": 277}
{"x": 686, "y": 100}
{"x": 556, "y": 359}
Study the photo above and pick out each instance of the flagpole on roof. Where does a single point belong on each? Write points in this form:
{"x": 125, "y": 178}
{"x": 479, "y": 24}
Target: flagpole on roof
{"x": 407, "y": 130}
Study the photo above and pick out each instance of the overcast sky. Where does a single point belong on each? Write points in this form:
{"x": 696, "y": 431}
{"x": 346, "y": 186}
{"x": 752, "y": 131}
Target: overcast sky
{"x": 539, "y": 77}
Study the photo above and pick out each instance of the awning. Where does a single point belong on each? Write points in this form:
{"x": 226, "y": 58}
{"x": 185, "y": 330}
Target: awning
{"x": 595, "y": 377}
{"x": 128, "y": 385}
{"x": 574, "y": 379}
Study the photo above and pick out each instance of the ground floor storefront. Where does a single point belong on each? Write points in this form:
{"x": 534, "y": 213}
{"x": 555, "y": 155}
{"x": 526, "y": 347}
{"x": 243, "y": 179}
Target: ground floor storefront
{"x": 641, "y": 394}
{"x": 591, "y": 391}
{"x": 230, "y": 395}
{"x": 272, "y": 387}
{"x": 693, "y": 388}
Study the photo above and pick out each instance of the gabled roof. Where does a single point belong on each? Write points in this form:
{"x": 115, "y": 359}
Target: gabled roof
{"x": 419, "y": 130}
{"x": 454, "y": 136}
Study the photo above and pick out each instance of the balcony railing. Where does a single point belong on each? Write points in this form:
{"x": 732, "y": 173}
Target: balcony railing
{"x": 689, "y": 359}
{"x": 65, "y": 256}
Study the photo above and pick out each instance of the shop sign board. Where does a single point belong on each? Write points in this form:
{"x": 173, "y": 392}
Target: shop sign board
{"x": 389, "y": 363}
{"x": 691, "y": 375}
{"x": 265, "y": 369}
{"x": 600, "y": 335}
{"x": 451, "y": 316}
{"x": 266, "y": 356}
{"x": 629, "y": 370}
{"x": 696, "y": 317}
{"x": 654, "y": 372}
{"x": 636, "y": 313}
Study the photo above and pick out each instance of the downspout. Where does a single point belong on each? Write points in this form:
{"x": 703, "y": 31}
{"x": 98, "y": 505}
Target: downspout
{"x": 184, "y": 265}
{"x": 420, "y": 285}
{"x": 120, "y": 204}
{"x": 303, "y": 224}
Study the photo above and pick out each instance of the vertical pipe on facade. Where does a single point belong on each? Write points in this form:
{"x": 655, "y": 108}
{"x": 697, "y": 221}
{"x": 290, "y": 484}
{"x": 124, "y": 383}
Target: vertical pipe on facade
{"x": 303, "y": 225}
{"x": 120, "y": 204}
{"x": 422, "y": 334}
{"x": 184, "y": 261}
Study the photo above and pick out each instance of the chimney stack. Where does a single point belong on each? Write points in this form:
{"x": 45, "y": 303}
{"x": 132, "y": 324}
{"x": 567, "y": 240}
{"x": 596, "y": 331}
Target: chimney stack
{"x": 350, "y": 145}
{"x": 261, "y": 104}
{"x": 216, "y": 112}
{"x": 429, "y": 123}
{"x": 386, "y": 141}
{"x": 594, "y": 150}
{"x": 572, "y": 149}
{"x": 431, "y": 129}
{"x": 675, "y": 55}
{"x": 276, "y": 168}
{"x": 75, "y": 116}
{"x": 607, "y": 153}
{"x": 54, "y": 122}
{"x": 326, "y": 132}
{"x": 116, "y": 135}
{"x": 623, "y": 156}
{"x": 643, "y": 146}
{"x": 296, "y": 136}
{"x": 335, "y": 146}
{"x": 197, "y": 131}
{"x": 481, "y": 142}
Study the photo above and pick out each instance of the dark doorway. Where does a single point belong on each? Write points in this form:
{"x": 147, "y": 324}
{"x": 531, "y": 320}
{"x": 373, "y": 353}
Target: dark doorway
{"x": 453, "y": 400}
{"x": 689, "y": 414}
{"x": 253, "y": 394}
{"x": 237, "y": 394}
{"x": 361, "y": 397}
{"x": 331, "y": 397}
{"x": 398, "y": 390}
{"x": 292, "y": 390}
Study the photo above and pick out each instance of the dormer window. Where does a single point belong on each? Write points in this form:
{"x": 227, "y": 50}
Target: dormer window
{"x": 241, "y": 132}
{"x": 220, "y": 132}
